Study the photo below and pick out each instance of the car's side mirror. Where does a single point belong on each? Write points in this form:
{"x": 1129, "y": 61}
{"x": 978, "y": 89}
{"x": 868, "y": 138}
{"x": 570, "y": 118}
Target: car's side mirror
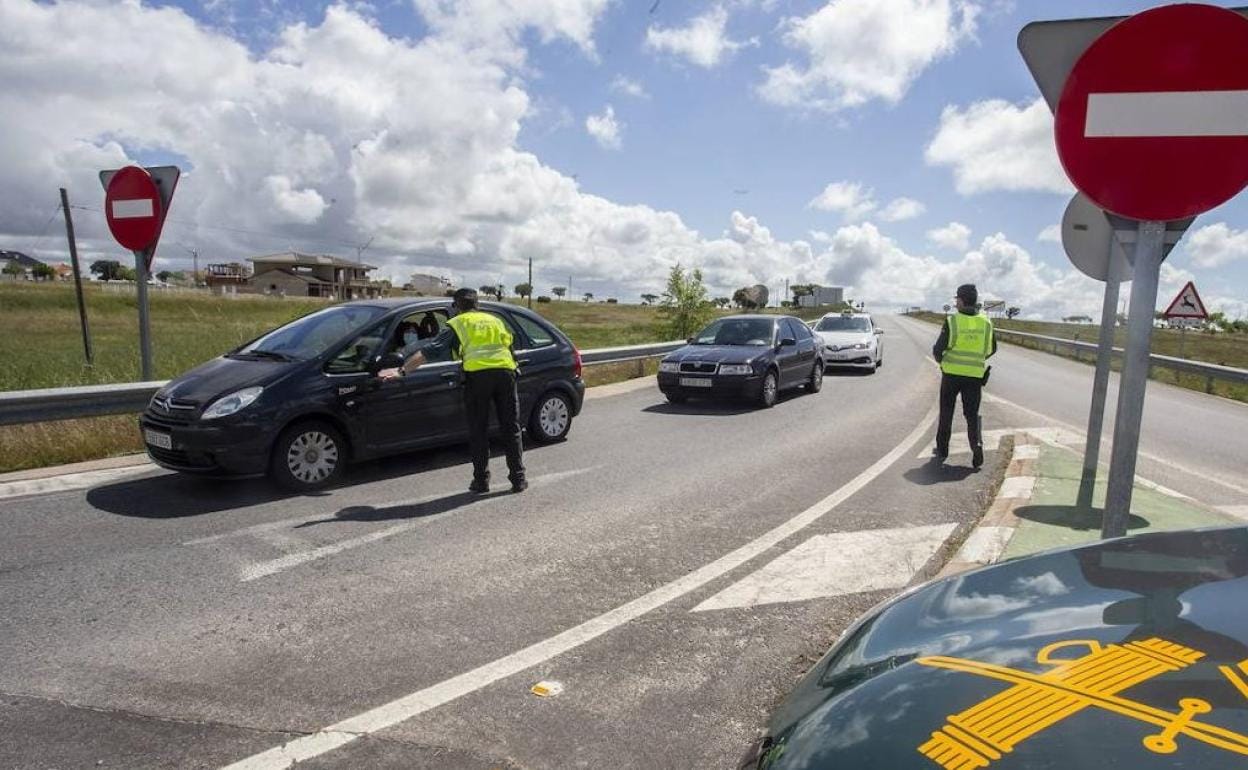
{"x": 879, "y": 331}
{"x": 787, "y": 341}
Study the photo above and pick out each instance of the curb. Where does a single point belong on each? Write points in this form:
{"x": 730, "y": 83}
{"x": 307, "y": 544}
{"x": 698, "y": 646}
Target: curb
{"x": 990, "y": 537}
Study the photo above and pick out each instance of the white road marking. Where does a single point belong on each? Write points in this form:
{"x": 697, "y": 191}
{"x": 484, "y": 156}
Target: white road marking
{"x": 959, "y": 444}
{"x": 1027, "y": 452}
{"x": 1167, "y": 113}
{"x": 985, "y": 544}
{"x": 69, "y": 481}
{"x": 1238, "y": 511}
{"x": 836, "y": 565}
{"x": 402, "y": 709}
{"x": 136, "y": 208}
{"x": 283, "y": 563}
{"x": 1017, "y": 487}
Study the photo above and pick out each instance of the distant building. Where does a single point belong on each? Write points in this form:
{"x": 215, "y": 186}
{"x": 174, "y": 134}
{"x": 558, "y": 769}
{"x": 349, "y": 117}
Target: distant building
{"x": 64, "y": 272}
{"x": 227, "y": 276}
{"x": 429, "y": 285}
{"x": 823, "y": 295}
{"x": 311, "y": 275}
{"x": 26, "y": 263}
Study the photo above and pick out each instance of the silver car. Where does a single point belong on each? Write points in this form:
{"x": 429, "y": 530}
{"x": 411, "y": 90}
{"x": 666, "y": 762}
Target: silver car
{"x": 851, "y": 339}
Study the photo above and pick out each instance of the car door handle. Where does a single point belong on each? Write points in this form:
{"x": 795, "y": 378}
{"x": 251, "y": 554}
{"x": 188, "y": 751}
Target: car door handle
{"x": 450, "y": 375}
{"x": 522, "y": 361}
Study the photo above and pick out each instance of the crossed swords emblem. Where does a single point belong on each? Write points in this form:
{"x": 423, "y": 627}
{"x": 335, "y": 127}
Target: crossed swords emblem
{"x": 987, "y": 731}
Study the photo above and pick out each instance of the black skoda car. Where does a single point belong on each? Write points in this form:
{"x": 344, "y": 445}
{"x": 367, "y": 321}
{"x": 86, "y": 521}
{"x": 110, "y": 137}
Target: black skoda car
{"x": 302, "y": 401}
{"x": 746, "y": 356}
{"x": 1129, "y": 653}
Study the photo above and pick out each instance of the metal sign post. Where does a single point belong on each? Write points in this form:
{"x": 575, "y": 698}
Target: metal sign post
{"x": 1146, "y": 270}
{"x": 73, "y": 260}
{"x": 1100, "y": 387}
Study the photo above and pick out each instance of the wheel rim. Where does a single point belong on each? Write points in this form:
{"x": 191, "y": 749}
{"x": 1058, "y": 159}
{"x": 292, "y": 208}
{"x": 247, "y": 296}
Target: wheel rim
{"x": 818, "y": 376}
{"x": 553, "y": 416}
{"x": 769, "y": 388}
{"x": 312, "y": 456}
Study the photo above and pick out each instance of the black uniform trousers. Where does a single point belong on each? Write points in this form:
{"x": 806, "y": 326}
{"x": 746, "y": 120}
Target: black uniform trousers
{"x": 970, "y": 388}
{"x": 481, "y": 389}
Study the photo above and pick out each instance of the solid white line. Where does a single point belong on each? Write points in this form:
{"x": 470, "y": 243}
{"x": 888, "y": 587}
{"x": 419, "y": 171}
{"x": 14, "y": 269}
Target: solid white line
{"x": 1238, "y": 511}
{"x": 1017, "y": 487}
{"x": 69, "y": 481}
{"x": 402, "y": 709}
{"x": 137, "y": 208}
{"x": 1167, "y": 113}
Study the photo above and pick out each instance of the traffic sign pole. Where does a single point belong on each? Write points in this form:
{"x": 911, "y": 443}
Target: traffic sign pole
{"x": 145, "y": 326}
{"x": 1100, "y": 381}
{"x": 1146, "y": 271}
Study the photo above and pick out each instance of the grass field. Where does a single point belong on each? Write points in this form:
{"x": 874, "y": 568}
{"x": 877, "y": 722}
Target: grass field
{"x": 42, "y": 348}
{"x": 1224, "y": 349}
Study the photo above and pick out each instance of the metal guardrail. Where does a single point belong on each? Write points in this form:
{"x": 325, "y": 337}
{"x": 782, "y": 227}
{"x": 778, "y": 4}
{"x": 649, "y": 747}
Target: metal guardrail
{"x": 27, "y": 406}
{"x": 1211, "y": 372}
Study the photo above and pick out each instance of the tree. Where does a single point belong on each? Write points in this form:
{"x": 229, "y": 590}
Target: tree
{"x": 686, "y": 308}
{"x": 523, "y": 290}
{"x": 649, "y": 299}
{"x": 589, "y": 295}
{"x": 721, "y": 302}
{"x": 106, "y": 269}
{"x": 799, "y": 290}
{"x": 1011, "y": 312}
{"x": 559, "y": 291}
{"x": 127, "y": 274}
{"x": 543, "y": 299}
{"x": 163, "y": 276}
{"x": 14, "y": 269}
{"x": 743, "y": 299}
{"x": 43, "y": 272}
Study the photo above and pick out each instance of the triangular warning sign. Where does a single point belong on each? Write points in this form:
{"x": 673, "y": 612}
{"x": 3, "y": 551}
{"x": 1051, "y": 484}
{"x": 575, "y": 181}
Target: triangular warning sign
{"x": 1187, "y": 304}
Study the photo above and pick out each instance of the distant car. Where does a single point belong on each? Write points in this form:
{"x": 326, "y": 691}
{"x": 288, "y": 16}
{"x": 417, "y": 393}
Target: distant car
{"x": 851, "y": 339}
{"x": 745, "y": 356}
{"x": 301, "y": 401}
{"x": 1130, "y": 652}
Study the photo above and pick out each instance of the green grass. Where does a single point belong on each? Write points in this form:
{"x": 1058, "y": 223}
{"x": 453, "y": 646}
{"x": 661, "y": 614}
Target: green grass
{"x": 1223, "y": 349}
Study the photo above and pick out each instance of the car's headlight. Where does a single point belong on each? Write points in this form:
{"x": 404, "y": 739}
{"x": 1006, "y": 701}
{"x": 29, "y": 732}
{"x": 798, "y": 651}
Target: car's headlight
{"x": 862, "y": 346}
{"x": 736, "y": 369}
{"x": 669, "y": 367}
{"x": 227, "y": 405}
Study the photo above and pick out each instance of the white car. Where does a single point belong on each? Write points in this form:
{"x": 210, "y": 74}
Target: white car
{"x": 851, "y": 339}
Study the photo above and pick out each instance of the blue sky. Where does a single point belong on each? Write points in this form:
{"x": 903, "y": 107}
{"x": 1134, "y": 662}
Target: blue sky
{"x": 705, "y": 141}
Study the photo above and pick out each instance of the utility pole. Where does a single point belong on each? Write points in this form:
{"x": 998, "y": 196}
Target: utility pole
{"x": 195, "y": 266}
{"x": 530, "y": 283}
{"x": 359, "y": 250}
{"x": 73, "y": 261}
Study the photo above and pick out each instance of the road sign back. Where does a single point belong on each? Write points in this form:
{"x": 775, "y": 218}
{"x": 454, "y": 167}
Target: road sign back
{"x": 136, "y": 201}
{"x": 1187, "y": 304}
{"x": 1152, "y": 123}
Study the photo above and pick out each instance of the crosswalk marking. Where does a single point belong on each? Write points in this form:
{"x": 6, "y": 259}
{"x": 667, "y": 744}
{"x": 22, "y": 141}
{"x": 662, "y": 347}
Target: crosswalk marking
{"x": 835, "y": 565}
{"x": 959, "y": 444}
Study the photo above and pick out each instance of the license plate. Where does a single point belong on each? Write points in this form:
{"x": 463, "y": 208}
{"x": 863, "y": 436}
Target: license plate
{"x": 694, "y": 382}
{"x": 158, "y": 439}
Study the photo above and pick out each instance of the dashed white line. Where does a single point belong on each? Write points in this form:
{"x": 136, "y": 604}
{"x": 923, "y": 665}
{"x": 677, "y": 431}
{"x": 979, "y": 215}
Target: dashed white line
{"x": 402, "y": 709}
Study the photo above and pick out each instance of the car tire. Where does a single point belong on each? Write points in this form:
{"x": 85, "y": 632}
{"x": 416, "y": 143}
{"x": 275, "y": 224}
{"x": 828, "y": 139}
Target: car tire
{"x": 815, "y": 383}
{"x": 308, "y": 455}
{"x": 769, "y": 391}
{"x": 676, "y": 398}
{"x": 551, "y": 418}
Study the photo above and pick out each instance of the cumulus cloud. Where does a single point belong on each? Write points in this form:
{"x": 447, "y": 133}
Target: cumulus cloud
{"x": 995, "y": 145}
{"x": 854, "y": 51}
{"x": 703, "y": 41}
{"x": 629, "y": 87}
{"x": 605, "y": 129}
{"x": 494, "y": 24}
{"x": 954, "y": 236}
{"x": 901, "y": 209}
{"x": 1050, "y": 234}
{"x": 1217, "y": 245}
{"x": 850, "y": 199}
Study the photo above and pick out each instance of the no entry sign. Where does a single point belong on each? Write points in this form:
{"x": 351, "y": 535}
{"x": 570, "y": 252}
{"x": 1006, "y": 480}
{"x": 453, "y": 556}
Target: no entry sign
{"x": 132, "y": 208}
{"x": 1152, "y": 123}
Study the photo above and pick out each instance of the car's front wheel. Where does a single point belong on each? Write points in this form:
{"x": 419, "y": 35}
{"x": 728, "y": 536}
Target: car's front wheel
{"x": 308, "y": 455}
{"x": 815, "y": 383}
{"x": 769, "y": 391}
{"x": 551, "y": 418}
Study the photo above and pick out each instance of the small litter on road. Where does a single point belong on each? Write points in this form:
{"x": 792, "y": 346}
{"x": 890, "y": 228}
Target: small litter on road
{"x": 546, "y": 689}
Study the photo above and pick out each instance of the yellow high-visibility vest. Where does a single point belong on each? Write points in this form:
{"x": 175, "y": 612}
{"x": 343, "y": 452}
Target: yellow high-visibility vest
{"x": 484, "y": 341}
{"x": 970, "y": 343}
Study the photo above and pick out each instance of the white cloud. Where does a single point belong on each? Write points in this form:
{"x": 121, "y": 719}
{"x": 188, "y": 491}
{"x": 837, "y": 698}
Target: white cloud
{"x": 901, "y": 209}
{"x": 498, "y": 24}
{"x": 995, "y": 145}
{"x": 1050, "y": 234}
{"x": 858, "y": 50}
{"x": 605, "y": 129}
{"x": 704, "y": 41}
{"x": 850, "y": 199}
{"x": 1217, "y": 245}
{"x": 954, "y": 236}
{"x": 629, "y": 87}
{"x": 303, "y": 206}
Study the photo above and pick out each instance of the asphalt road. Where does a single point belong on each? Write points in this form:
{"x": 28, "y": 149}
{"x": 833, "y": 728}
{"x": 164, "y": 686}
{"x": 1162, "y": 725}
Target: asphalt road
{"x": 673, "y": 570}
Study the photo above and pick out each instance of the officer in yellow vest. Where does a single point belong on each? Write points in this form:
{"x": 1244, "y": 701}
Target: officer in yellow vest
{"x": 966, "y": 341}
{"x": 481, "y": 340}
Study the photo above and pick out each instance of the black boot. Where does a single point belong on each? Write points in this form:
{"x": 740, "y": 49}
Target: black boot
{"x": 977, "y": 456}
{"x": 519, "y": 484}
{"x": 480, "y": 485}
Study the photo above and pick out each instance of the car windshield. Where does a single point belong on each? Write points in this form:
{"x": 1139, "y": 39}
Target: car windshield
{"x": 311, "y": 335}
{"x": 851, "y": 323}
{"x": 736, "y": 331}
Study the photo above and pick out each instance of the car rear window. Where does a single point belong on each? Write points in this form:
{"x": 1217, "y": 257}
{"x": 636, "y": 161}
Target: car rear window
{"x": 539, "y": 336}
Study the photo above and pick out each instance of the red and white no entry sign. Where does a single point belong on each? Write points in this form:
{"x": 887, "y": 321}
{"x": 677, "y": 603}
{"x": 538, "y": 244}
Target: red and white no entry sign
{"x": 1153, "y": 121}
{"x": 132, "y": 208}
